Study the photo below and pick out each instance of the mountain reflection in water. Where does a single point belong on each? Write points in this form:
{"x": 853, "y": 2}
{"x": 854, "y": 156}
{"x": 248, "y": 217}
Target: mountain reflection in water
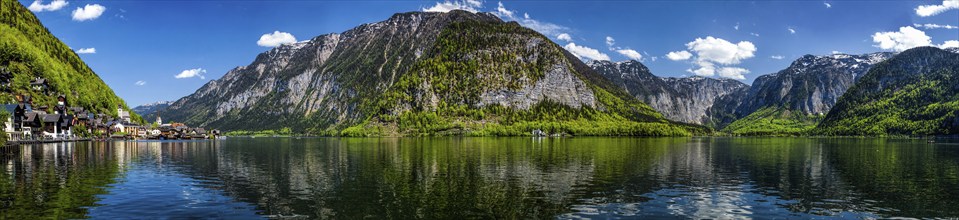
{"x": 483, "y": 178}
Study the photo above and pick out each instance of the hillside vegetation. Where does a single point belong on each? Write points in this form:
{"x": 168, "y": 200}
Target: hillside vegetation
{"x": 914, "y": 93}
{"x": 28, "y": 50}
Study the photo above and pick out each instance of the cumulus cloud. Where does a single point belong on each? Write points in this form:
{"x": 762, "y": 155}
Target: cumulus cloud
{"x": 935, "y": 26}
{"x": 190, "y": 73}
{"x": 930, "y": 10}
{"x": 447, "y": 6}
{"x": 565, "y": 37}
{"x": 721, "y": 51}
{"x": 705, "y": 69}
{"x": 827, "y": 4}
{"x": 583, "y": 52}
{"x": 140, "y": 83}
{"x": 713, "y": 55}
{"x": 907, "y": 37}
{"x": 678, "y": 55}
{"x": 88, "y": 12}
{"x": 631, "y": 54}
{"x": 733, "y": 72}
{"x": 949, "y": 44}
{"x": 545, "y": 28}
{"x": 791, "y": 30}
{"x": 38, "y": 6}
{"x": 276, "y": 38}
{"x": 87, "y": 50}
{"x": 778, "y": 57}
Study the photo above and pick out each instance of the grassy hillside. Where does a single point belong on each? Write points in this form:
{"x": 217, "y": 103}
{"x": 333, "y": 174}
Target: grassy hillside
{"x": 28, "y": 50}
{"x": 773, "y": 121}
{"x": 914, "y": 93}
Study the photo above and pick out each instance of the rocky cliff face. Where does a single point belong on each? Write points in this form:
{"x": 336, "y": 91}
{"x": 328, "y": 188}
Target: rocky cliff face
{"x": 412, "y": 62}
{"x": 680, "y": 99}
{"x": 811, "y": 84}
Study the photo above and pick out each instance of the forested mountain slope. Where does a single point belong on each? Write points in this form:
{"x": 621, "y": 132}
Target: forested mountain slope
{"x": 914, "y": 93}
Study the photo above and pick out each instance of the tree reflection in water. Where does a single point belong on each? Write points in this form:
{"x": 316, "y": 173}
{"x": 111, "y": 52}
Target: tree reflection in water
{"x": 485, "y": 178}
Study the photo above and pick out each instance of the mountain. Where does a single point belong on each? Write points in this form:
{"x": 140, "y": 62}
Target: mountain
{"x": 28, "y": 51}
{"x": 794, "y": 99}
{"x": 421, "y": 73}
{"x": 680, "y": 99}
{"x": 150, "y": 108}
{"x": 915, "y": 92}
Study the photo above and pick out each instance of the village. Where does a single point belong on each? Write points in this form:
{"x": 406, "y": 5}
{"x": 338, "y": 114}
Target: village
{"x": 25, "y": 123}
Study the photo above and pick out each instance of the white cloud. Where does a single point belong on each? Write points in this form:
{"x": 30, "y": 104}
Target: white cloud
{"x": 791, "y": 30}
{"x": 140, "y": 83}
{"x": 935, "y": 26}
{"x": 949, "y": 43}
{"x": 625, "y": 51}
{"x": 678, "y": 55}
{"x": 447, "y": 6}
{"x": 631, "y": 54}
{"x": 87, "y": 50}
{"x": 930, "y": 10}
{"x": 827, "y": 4}
{"x": 733, "y": 72}
{"x": 721, "y": 51}
{"x": 545, "y": 28}
{"x": 585, "y": 52}
{"x": 737, "y": 26}
{"x": 907, "y": 37}
{"x": 502, "y": 11}
{"x": 778, "y": 57}
{"x": 88, "y": 12}
{"x": 190, "y": 73}
{"x": 705, "y": 69}
{"x": 754, "y": 34}
{"x": 565, "y": 37}
{"x": 711, "y": 52}
{"x": 836, "y": 52}
{"x": 276, "y": 38}
{"x": 38, "y": 6}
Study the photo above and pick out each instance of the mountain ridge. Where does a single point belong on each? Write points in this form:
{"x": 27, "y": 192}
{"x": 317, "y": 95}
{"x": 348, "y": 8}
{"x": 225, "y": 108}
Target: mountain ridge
{"x": 385, "y": 77}
{"x": 914, "y": 93}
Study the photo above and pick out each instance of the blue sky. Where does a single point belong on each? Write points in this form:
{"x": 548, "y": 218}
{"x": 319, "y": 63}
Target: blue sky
{"x": 141, "y": 47}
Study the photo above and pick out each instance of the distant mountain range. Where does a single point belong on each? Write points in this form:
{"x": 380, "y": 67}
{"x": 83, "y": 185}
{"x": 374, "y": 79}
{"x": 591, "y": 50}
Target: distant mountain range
{"x": 150, "y": 108}
{"x": 681, "y": 99}
{"x": 471, "y": 73}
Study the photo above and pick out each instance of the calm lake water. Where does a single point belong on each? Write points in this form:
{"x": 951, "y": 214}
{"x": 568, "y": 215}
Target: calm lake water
{"x": 483, "y": 178}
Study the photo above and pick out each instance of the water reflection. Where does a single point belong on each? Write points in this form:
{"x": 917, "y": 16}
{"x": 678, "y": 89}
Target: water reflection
{"x": 484, "y": 178}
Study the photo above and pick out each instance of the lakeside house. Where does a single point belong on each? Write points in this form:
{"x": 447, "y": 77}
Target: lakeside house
{"x": 26, "y": 123}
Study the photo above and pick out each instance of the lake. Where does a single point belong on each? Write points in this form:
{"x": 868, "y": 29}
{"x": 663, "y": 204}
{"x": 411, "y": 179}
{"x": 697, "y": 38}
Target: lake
{"x": 402, "y": 178}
